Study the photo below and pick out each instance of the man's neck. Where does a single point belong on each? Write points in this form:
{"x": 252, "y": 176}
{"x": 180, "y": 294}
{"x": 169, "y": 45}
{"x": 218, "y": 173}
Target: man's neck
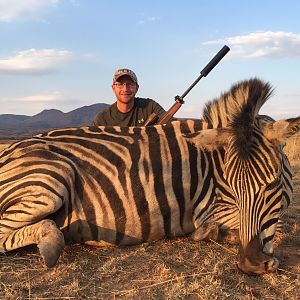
{"x": 125, "y": 107}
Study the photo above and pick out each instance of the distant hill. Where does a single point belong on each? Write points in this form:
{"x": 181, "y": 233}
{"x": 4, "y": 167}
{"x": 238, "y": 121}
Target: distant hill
{"x": 18, "y": 126}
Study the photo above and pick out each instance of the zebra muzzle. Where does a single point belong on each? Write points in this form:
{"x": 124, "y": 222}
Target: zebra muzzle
{"x": 253, "y": 261}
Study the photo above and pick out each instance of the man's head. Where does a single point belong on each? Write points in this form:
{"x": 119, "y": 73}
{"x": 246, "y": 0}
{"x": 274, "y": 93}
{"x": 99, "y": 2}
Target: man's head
{"x": 125, "y": 86}
{"x": 125, "y": 72}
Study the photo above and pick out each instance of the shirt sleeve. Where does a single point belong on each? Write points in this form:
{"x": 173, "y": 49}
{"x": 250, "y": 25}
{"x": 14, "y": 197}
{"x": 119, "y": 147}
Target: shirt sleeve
{"x": 158, "y": 109}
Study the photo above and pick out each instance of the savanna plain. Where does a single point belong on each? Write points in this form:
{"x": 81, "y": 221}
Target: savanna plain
{"x": 170, "y": 269}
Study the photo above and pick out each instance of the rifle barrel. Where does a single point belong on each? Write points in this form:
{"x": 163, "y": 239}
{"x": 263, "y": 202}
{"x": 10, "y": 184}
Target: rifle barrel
{"x": 152, "y": 119}
{"x": 213, "y": 62}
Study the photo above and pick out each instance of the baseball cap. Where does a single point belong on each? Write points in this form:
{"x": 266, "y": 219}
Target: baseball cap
{"x": 122, "y": 72}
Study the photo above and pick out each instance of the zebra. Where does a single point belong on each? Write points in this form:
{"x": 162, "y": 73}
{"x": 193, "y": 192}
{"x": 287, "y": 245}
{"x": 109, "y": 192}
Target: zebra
{"x": 224, "y": 178}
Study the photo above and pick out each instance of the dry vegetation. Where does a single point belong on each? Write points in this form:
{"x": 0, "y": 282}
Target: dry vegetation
{"x": 173, "y": 269}
{"x": 292, "y": 149}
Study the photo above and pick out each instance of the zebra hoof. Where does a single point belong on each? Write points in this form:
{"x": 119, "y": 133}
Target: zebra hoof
{"x": 51, "y": 246}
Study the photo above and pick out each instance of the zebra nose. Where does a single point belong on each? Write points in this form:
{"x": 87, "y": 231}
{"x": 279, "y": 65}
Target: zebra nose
{"x": 258, "y": 268}
{"x": 252, "y": 259}
{"x": 271, "y": 265}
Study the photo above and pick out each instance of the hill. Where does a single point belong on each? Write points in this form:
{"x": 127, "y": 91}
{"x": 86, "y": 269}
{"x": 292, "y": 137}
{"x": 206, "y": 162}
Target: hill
{"x": 18, "y": 126}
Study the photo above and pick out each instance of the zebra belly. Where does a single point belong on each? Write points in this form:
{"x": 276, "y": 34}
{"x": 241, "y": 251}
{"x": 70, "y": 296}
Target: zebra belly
{"x": 101, "y": 227}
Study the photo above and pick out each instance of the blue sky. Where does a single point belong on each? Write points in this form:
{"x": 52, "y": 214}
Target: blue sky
{"x": 62, "y": 53}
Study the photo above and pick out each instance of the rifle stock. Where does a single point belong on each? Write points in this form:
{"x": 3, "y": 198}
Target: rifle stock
{"x": 154, "y": 119}
{"x": 171, "y": 112}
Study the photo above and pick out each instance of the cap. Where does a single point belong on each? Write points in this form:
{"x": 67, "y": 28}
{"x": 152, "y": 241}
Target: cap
{"x": 124, "y": 72}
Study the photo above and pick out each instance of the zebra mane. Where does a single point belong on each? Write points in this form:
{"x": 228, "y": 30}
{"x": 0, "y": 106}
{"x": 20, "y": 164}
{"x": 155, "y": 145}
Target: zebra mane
{"x": 239, "y": 106}
{"x": 239, "y": 109}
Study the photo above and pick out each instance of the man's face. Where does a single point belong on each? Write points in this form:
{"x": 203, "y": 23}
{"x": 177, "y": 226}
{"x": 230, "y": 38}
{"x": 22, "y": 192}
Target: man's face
{"x": 125, "y": 89}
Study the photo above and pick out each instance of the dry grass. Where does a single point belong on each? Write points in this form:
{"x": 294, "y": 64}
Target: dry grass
{"x": 292, "y": 149}
{"x": 173, "y": 269}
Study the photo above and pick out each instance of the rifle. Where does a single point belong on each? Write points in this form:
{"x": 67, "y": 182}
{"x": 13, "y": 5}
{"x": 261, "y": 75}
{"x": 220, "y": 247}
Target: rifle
{"x": 154, "y": 119}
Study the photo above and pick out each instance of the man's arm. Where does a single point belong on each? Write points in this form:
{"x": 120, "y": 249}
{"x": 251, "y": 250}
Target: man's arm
{"x": 158, "y": 109}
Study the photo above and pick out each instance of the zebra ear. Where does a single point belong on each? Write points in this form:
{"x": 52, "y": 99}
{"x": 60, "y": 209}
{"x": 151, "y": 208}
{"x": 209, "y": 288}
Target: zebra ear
{"x": 209, "y": 139}
{"x": 280, "y": 131}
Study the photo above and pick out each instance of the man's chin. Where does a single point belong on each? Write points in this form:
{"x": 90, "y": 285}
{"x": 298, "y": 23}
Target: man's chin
{"x": 126, "y": 100}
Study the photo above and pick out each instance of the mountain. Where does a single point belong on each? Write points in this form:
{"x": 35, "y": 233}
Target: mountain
{"x": 18, "y": 126}
{"x": 9, "y": 119}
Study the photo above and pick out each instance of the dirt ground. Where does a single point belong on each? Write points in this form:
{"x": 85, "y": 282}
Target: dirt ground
{"x": 173, "y": 269}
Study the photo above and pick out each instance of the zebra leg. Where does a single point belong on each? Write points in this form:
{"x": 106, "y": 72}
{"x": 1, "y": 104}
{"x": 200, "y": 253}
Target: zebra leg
{"x": 27, "y": 201}
{"x": 23, "y": 222}
{"x": 44, "y": 233}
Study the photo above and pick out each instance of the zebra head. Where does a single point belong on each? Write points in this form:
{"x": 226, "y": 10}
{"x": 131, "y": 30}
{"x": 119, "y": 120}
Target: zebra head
{"x": 259, "y": 174}
{"x": 255, "y": 168}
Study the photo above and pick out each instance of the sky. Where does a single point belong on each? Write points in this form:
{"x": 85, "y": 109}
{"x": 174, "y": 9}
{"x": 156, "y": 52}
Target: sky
{"x": 61, "y": 54}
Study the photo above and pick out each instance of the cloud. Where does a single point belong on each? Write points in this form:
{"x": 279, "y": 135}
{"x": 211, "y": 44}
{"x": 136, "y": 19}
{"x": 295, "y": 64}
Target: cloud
{"x": 46, "y": 97}
{"x": 34, "y": 61}
{"x": 13, "y": 9}
{"x": 143, "y": 18}
{"x": 262, "y": 44}
{"x": 36, "y": 102}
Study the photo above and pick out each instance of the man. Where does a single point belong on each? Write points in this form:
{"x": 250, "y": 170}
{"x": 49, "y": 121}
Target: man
{"x": 128, "y": 110}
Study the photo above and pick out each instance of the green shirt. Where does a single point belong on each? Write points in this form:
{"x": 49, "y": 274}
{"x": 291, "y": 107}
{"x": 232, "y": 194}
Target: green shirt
{"x": 137, "y": 116}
